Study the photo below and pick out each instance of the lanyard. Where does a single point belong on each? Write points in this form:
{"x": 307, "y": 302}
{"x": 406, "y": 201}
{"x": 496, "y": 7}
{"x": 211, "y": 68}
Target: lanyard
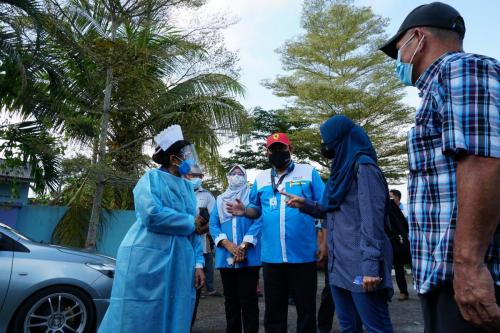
{"x": 275, "y": 186}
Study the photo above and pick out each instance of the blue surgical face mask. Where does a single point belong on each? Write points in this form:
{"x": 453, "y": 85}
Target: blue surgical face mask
{"x": 185, "y": 167}
{"x": 196, "y": 182}
{"x": 404, "y": 70}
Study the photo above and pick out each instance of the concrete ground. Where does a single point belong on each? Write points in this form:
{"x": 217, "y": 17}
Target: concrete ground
{"x": 406, "y": 316}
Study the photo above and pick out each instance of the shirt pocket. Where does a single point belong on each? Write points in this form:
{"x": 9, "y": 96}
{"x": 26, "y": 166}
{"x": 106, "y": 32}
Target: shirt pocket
{"x": 424, "y": 139}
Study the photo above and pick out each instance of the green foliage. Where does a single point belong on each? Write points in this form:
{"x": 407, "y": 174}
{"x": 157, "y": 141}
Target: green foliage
{"x": 54, "y": 59}
{"x": 335, "y": 68}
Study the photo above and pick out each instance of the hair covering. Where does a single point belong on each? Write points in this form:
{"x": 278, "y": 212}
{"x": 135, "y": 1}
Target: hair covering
{"x": 230, "y": 195}
{"x": 352, "y": 147}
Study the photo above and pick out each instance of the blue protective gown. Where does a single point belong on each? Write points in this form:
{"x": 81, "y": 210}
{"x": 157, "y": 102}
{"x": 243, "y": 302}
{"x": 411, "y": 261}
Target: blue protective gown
{"x": 153, "y": 289}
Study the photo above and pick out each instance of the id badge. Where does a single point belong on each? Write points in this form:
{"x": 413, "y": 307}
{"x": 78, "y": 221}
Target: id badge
{"x": 273, "y": 203}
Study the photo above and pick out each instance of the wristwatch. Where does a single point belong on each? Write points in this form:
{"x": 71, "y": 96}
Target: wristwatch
{"x": 244, "y": 246}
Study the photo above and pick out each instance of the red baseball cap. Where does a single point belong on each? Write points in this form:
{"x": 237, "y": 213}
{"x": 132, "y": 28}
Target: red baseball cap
{"x": 277, "y": 138}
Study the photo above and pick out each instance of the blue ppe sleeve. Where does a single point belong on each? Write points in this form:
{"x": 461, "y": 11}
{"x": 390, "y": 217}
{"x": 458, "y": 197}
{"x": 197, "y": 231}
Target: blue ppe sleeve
{"x": 199, "y": 259}
{"x": 154, "y": 215}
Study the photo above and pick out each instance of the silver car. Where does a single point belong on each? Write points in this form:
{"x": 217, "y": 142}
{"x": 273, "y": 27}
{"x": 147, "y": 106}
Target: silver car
{"x": 51, "y": 289}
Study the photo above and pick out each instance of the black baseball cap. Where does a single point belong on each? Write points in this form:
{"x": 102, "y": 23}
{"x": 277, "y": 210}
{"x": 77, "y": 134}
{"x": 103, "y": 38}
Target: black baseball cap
{"x": 436, "y": 14}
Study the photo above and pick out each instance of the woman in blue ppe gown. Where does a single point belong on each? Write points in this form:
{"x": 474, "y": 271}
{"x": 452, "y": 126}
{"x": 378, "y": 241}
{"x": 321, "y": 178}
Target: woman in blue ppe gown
{"x": 160, "y": 260}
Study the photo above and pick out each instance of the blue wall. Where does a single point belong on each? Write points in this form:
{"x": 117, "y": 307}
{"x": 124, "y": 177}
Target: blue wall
{"x": 113, "y": 230}
{"x": 38, "y": 223}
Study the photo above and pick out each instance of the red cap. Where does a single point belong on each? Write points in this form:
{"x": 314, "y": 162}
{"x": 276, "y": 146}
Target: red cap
{"x": 277, "y": 137}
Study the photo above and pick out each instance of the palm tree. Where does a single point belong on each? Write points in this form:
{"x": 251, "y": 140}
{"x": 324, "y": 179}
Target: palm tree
{"x": 152, "y": 76}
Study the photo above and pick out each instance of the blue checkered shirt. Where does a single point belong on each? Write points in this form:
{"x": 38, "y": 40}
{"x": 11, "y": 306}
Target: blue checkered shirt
{"x": 459, "y": 113}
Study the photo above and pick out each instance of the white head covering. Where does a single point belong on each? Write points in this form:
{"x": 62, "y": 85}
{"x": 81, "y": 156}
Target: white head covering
{"x": 230, "y": 195}
{"x": 169, "y": 136}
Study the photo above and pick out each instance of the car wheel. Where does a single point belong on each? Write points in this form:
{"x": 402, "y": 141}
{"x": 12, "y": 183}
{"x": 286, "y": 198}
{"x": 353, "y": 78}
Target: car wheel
{"x": 61, "y": 309}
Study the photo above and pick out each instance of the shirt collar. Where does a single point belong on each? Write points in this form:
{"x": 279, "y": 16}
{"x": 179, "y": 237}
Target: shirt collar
{"x": 288, "y": 170}
{"x": 424, "y": 81}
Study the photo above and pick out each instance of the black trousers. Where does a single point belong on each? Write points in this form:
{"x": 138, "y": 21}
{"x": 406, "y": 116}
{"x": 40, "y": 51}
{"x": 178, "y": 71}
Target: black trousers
{"x": 302, "y": 280}
{"x": 441, "y": 313}
{"x": 399, "y": 269}
{"x": 326, "y": 309}
{"x": 241, "y": 301}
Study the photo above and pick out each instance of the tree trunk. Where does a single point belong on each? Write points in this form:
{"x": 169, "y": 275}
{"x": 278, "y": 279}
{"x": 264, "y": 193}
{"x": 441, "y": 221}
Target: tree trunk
{"x": 95, "y": 216}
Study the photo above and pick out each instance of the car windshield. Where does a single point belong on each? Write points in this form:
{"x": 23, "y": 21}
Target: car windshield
{"x": 15, "y": 232}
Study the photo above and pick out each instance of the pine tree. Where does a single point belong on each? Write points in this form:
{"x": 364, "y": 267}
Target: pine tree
{"x": 335, "y": 68}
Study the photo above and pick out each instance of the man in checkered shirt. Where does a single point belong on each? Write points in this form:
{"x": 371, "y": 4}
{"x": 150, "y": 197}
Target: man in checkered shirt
{"x": 454, "y": 181}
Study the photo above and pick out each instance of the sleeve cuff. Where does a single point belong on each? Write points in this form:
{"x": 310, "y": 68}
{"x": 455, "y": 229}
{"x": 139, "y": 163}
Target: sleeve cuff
{"x": 198, "y": 266}
{"x": 250, "y": 239}
{"x": 370, "y": 268}
{"x": 219, "y": 238}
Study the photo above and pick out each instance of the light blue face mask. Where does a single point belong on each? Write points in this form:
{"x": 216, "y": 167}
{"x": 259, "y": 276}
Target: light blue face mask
{"x": 196, "y": 182}
{"x": 404, "y": 70}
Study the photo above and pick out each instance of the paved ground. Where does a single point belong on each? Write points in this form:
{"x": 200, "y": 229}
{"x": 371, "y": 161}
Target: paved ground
{"x": 406, "y": 316}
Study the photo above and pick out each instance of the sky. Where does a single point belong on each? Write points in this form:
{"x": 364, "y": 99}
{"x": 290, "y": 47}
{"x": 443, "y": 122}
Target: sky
{"x": 264, "y": 25}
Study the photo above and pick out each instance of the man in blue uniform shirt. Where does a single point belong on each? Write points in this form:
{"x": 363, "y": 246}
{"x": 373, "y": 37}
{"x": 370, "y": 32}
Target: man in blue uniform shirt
{"x": 289, "y": 250}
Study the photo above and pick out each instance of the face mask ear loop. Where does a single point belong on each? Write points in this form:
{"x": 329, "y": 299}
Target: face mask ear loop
{"x": 405, "y": 43}
{"x": 414, "y": 53}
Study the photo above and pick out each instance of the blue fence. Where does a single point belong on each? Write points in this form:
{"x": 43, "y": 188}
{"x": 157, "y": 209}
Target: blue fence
{"x": 39, "y": 222}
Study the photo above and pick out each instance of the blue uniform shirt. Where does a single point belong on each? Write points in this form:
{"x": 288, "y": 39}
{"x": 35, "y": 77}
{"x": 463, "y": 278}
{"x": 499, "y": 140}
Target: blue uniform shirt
{"x": 288, "y": 235}
{"x": 237, "y": 229}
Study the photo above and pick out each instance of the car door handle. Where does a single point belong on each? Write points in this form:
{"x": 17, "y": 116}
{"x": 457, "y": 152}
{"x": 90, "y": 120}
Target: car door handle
{"x": 23, "y": 273}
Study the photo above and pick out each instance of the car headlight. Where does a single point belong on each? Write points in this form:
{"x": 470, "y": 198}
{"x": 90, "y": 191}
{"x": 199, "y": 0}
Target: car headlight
{"x": 106, "y": 269}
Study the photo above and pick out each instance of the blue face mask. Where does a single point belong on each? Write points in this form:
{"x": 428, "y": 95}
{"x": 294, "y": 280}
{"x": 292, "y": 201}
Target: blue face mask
{"x": 404, "y": 70}
{"x": 196, "y": 182}
{"x": 184, "y": 167}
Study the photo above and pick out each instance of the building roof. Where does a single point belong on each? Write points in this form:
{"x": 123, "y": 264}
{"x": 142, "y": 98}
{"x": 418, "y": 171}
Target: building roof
{"x": 20, "y": 173}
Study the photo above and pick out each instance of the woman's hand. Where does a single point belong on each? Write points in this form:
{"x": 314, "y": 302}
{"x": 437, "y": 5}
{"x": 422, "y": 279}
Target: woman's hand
{"x": 231, "y": 247}
{"x": 294, "y": 200}
{"x": 236, "y": 208}
{"x": 370, "y": 283}
{"x": 199, "y": 278}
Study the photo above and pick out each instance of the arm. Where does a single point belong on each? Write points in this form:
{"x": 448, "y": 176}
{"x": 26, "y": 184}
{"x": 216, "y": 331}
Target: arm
{"x": 154, "y": 215}
{"x": 313, "y": 207}
{"x": 372, "y": 199}
{"x": 252, "y": 210}
{"x": 253, "y": 233}
{"x": 470, "y": 121}
{"x": 198, "y": 251}
{"x": 214, "y": 226}
{"x": 478, "y": 180}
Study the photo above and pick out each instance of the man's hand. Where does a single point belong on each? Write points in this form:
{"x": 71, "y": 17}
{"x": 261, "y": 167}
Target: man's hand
{"x": 199, "y": 278}
{"x": 294, "y": 200}
{"x": 475, "y": 296}
{"x": 236, "y": 208}
{"x": 199, "y": 222}
{"x": 370, "y": 283}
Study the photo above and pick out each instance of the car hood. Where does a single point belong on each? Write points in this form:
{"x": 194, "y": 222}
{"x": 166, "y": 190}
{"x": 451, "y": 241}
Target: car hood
{"x": 70, "y": 254}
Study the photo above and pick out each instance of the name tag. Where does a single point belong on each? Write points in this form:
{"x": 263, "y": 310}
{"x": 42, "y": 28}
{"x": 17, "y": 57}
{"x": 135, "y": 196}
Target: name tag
{"x": 273, "y": 203}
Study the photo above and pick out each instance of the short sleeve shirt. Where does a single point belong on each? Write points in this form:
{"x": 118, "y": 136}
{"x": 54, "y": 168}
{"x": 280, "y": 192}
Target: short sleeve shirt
{"x": 458, "y": 114}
